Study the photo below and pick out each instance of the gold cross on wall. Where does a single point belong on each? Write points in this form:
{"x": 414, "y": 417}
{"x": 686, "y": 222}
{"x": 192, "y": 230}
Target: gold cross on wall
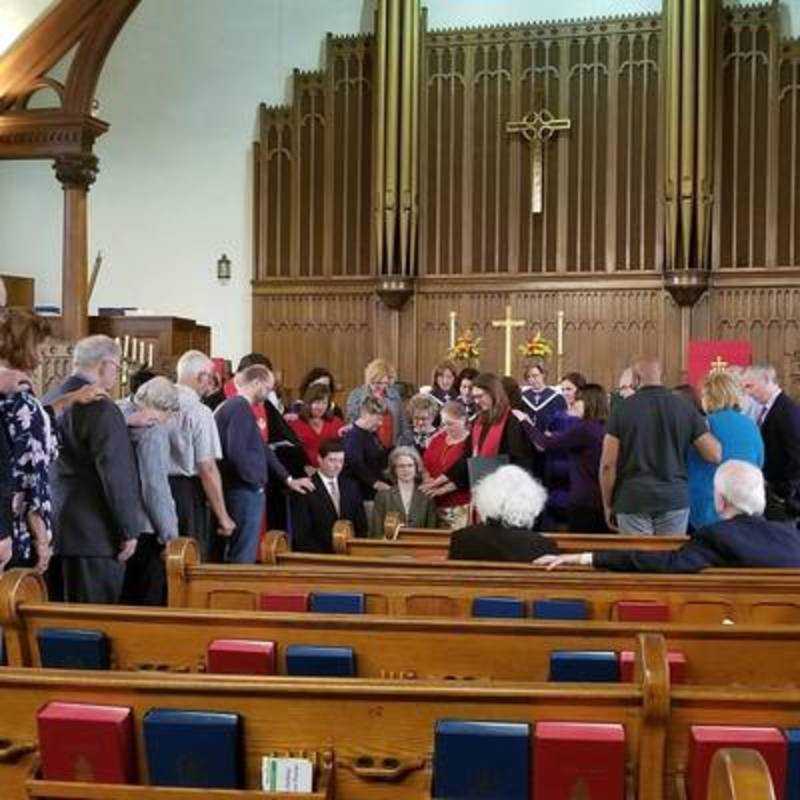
{"x": 718, "y": 365}
{"x": 509, "y": 324}
{"x": 537, "y": 127}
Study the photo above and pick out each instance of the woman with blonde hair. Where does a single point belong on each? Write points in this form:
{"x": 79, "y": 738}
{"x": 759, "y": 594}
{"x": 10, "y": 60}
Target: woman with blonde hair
{"x": 416, "y": 509}
{"x": 379, "y": 380}
{"x": 738, "y": 435}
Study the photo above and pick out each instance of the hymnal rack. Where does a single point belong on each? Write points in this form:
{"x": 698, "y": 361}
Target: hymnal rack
{"x": 39, "y": 789}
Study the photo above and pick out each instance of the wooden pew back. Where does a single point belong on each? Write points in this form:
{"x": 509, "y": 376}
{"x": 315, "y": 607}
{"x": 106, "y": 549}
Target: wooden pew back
{"x": 176, "y": 640}
{"x": 419, "y": 589}
{"x": 381, "y": 734}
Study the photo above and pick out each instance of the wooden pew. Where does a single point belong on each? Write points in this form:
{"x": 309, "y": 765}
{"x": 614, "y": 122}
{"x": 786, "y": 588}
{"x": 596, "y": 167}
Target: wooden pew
{"x": 739, "y": 774}
{"x": 176, "y": 640}
{"x": 437, "y": 549}
{"x": 380, "y": 734}
{"x": 430, "y": 589}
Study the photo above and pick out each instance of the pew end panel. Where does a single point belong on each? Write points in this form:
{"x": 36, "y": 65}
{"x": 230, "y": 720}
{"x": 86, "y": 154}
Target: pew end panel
{"x": 18, "y": 587}
{"x": 739, "y": 773}
{"x": 342, "y": 534}
{"x": 181, "y": 554}
{"x": 272, "y": 543}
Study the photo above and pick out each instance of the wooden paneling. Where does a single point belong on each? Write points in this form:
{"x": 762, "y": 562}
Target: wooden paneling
{"x": 321, "y": 325}
{"x": 476, "y": 201}
{"x": 604, "y": 328}
{"x": 313, "y": 170}
{"x": 597, "y": 251}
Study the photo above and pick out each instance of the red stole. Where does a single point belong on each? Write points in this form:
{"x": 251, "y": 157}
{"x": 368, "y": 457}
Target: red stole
{"x": 488, "y": 445}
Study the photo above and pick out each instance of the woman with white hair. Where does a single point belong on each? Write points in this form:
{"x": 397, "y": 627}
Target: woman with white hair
{"x": 508, "y": 502}
{"x": 742, "y": 537}
{"x": 145, "y": 579}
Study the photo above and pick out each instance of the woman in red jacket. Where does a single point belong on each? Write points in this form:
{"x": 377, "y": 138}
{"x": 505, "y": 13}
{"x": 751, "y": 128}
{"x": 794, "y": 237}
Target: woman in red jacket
{"x": 315, "y": 422}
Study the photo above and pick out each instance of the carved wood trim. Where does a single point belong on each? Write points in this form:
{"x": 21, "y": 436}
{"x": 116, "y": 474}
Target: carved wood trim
{"x": 95, "y": 45}
{"x": 43, "y": 46}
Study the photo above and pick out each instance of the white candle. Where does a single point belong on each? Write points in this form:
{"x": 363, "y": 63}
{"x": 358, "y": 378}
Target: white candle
{"x": 560, "y": 350}
{"x": 150, "y": 355}
{"x": 452, "y": 329}
{"x": 126, "y": 346}
{"x": 141, "y": 352}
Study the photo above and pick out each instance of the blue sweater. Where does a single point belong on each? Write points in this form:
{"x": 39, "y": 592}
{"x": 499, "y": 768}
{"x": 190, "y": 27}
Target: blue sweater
{"x": 741, "y": 440}
{"x": 246, "y": 459}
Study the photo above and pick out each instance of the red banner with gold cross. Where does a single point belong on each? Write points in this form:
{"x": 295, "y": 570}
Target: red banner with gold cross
{"x": 715, "y": 355}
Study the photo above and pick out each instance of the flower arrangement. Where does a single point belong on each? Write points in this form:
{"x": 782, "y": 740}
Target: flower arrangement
{"x": 466, "y": 348}
{"x": 536, "y": 347}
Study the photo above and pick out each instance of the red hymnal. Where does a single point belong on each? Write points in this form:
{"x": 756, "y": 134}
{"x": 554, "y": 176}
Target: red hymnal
{"x": 93, "y": 744}
{"x": 577, "y": 759}
{"x": 705, "y": 740}
{"x": 241, "y": 657}
{"x": 297, "y": 601}
{"x": 642, "y": 611}
{"x": 676, "y": 661}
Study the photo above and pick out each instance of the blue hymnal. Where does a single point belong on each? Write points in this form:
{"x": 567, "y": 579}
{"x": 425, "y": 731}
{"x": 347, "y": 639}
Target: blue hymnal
{"x": 201, "y": 749}
{"x": 793, "y": 765}
{"x": 498, "y": 607}
{"x": 323, "y": 662}
{"x": 599, "y": 666}
{"x": 64, "y": 648}
{"x": 560, "y": 609}
{"x": 488, "y": 760}
{"x": 337, "y": 603}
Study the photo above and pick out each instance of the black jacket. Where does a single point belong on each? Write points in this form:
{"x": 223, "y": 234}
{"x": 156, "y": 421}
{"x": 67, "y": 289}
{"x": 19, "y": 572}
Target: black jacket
{"x": 739, "y": 542}
{"x": 314, "y": 514}
{"x": 94, "y": 482}
{"x": 365, "y": 460}
{"x": 490, "y": 541}
{"x": 781, "y": 433}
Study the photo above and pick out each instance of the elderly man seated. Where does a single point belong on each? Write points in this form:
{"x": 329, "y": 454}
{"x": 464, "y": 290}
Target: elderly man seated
{"x": 508, "y": 502}
{"x": 742, "y": 538}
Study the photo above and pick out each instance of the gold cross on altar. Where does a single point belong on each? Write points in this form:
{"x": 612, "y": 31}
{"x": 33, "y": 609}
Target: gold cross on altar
{"x": 509, "y": 324}
{"x": 537, "y": 127}
{"x": 718, "y": 365}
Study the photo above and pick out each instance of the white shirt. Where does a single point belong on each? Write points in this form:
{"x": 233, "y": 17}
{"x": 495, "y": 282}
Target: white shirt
{"x": 767, "y": 407}
{"x": 332, "y": 487}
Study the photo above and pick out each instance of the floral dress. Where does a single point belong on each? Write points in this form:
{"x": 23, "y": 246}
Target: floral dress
{"x": 34, "y": 447}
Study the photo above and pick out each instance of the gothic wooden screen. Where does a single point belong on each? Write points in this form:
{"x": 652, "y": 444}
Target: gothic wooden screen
{"x": 600, "y": 213}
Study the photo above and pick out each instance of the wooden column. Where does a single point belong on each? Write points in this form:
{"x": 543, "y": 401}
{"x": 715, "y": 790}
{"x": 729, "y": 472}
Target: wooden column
{"x": 76, "y": 173}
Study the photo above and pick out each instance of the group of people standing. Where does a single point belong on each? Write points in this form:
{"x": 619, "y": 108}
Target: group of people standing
{"x": 105, "y": 485}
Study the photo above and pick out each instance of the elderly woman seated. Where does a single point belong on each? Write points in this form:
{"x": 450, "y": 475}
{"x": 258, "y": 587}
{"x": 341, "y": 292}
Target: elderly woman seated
{"x": 145, "y": 579}
{"x": 508, "y": 502}
{"x": 742, "y": 537}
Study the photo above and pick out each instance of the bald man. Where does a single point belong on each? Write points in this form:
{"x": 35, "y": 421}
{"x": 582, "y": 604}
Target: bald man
{"x": 742, "y": 537}
{"x": 643, "y": 473}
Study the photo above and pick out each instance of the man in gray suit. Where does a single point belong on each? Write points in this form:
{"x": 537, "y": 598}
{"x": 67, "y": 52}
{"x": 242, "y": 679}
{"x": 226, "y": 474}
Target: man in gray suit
{"x": 94, "y": 482}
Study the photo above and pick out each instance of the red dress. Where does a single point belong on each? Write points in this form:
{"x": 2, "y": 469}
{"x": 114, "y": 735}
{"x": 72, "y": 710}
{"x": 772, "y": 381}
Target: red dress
{"x": 441, "y": 457}
{"x": 311, "y": 440}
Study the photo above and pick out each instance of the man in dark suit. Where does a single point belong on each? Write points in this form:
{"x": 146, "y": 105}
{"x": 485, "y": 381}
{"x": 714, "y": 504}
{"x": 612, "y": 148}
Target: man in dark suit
{"x": 743, "y": 538}
{"x": 779, "y": 420}
{"x": 335, "y": 498}
{"x": 94, "y": 482}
